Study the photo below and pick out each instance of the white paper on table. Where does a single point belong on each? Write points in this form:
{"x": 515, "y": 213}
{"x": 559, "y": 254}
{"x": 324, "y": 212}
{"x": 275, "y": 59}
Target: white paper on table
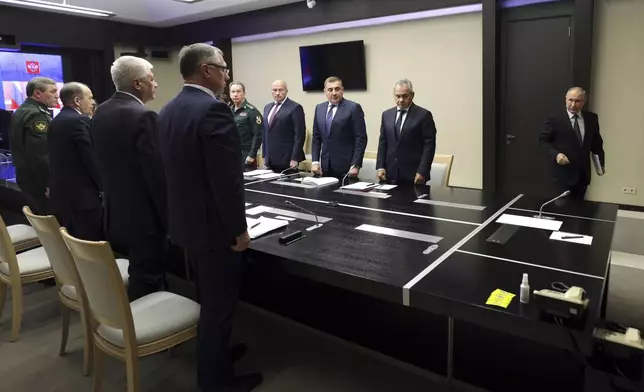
{"x": 283, "y": 218}
{"x": 535, "y": 223}
{"x": 257, "y": 172}
{"x": 558, "y": 235}
{"x": 250, "y": 222}
{"x": 265, "y": 226}
{"x": 321, "y": 181}
{"x": 258, "y": 210}
{"x": 269, "y": 176}
{"x": 247, "y": 204}
{"x": 359, "y": 186}
{"x": 385, "y": 187}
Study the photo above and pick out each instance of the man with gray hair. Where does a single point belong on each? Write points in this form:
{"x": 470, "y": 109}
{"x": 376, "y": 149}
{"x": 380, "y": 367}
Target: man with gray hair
{"x": 200, "y": 147}
{"x": 29, "y": 148}
{"x": 568, "y": 139}
{"x": 407, "y": 139}
{"x": 124, "y": 136}
{"x": 75, "y": 184}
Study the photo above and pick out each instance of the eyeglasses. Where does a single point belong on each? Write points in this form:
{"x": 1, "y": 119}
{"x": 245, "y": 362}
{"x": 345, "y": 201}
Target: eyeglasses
{"x": 225, "y": 69}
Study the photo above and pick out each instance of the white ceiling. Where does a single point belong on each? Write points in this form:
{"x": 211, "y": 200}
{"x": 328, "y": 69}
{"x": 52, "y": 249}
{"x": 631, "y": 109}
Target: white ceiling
{"x": 164, "y": 13}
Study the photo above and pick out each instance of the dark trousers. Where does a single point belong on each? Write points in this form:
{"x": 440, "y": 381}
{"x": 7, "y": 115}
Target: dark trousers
{"x": 84, "y": 224}
{"x": 147, "y": 255}
{"x": 218, "y": 276}
{"x": 36, "y": 193}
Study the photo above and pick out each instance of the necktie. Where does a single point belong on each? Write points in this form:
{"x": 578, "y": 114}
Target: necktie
{"x": 577, "y": 129}
{"x": 271, "y": 115}
{"x": 329, "y": 119}
{"x": 398, "y": 125}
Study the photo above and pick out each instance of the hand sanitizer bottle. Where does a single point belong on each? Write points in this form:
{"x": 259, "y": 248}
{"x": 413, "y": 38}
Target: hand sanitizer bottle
{"x": 524, "y": 295}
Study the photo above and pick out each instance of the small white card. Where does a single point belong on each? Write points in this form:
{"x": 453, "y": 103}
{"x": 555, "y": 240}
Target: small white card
{"x": 535, "y": 223}
{"x": 561, "y": 236}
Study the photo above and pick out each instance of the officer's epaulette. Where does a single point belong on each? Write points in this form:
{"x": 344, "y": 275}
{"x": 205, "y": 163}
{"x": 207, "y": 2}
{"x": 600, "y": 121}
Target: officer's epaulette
{"x": 249, "y": 106}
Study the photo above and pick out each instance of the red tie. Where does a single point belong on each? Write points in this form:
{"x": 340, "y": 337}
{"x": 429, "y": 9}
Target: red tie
{"x": 271, "y": 115}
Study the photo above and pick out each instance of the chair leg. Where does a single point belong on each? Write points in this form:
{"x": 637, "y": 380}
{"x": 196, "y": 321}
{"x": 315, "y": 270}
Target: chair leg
{"x": 3, "y": 296}
{"x": 16, "y": 322}
{"x": 88, "y": 345}
{"x": 132, "y": 371}
{"x": 98, "y": 370}
{"x": 65, "y": 315}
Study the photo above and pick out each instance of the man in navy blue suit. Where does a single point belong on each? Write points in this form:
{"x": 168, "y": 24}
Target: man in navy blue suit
{"x": 407, "y": 139}
{"x": 200, "y": 148}
{"x": 339, "y": 133}
{"x": 75, "y": 186}
{"x": 284, "y": 130}
{"x": 124, "y": 138}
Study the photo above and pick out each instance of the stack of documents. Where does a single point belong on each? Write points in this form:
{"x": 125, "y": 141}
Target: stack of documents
{"x": 263, "y": 225}
{"x": 321, "y": 181}
{"x": 360, "y": 186}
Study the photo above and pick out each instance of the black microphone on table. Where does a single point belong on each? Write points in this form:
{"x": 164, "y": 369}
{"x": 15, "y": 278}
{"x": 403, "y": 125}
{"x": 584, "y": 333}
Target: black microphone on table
{"x": 566, "y": 193}
{"x": 297, "y": 235}
{"x": 345, "y": 177}
{"x": 317, "y": 220}
{"x": 287, "y": 169}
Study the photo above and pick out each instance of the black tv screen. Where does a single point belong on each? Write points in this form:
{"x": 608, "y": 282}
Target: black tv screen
{"x": 344, "y": 60}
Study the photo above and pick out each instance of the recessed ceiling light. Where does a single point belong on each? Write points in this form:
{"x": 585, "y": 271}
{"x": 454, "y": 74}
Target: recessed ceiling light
{"x": 64, "y": 7}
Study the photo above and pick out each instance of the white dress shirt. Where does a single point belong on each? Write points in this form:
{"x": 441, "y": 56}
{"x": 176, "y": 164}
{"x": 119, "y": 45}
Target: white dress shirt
{"x": 580, "y": 121}
{"x": 133, "y": 96}
{"x": 335, "y": 110}
{"x": 202, "y": 88}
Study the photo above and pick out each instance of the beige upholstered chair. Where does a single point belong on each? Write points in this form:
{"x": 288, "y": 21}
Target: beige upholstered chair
{"x": 70, "y": 290}
{"x": 15, "y": 270}
{"x": 441, "y": 170}
{"x": 23, "y": 237}
{"x": 127, "y": 331}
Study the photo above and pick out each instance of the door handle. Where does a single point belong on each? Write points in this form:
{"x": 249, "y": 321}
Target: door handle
{"x": 509, "y": 138}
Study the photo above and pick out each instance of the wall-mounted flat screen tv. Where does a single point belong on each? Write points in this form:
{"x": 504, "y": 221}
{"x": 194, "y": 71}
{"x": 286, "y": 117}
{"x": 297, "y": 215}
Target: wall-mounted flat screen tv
{"x": 345, "y": 60}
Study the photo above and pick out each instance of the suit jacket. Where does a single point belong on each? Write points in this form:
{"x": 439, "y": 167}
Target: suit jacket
{"x": 284, "y": 137}
{"x": 74, "y": 180}
{"x": 124, "y": 137}
{"x": 344, "y": 144}
{"x": 200, "y": 148}
{"x": 413, "y": 151}
{"x": 558, "y": 136}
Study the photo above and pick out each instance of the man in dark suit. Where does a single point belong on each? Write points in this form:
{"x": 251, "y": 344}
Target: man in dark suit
{"x": 407, "y": 140}
{"x": 74, "y": 181}
{"x": 200, "y": 147}
{"x": 284, "y": 130}
{"x": 339, "y": 133}
{"x": 568, "y": 139}
{"x": 124, "y": 133}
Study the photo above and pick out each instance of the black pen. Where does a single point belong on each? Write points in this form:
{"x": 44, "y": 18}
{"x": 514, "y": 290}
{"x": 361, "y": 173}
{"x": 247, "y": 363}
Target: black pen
{"x": 254, "y": 225}
{"x": 571, "y": 237}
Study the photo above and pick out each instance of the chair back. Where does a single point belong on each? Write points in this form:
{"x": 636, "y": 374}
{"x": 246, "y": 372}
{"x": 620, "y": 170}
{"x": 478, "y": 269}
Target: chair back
{"x": 48, "y": 231}
{"x": 101, "y": 280}
{"x": 441, "y": 170}
{"x": 7, "y": 252}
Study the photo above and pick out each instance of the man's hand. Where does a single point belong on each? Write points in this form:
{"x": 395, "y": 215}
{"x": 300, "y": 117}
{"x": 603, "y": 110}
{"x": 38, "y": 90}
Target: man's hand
{"x": 354, "y": 172}
{"x": 47, "y": 192}
{"x": 250, "y": 161}
{"x": 241, "y": 242}
{"x": 562, "y": 159}
{"x": 419, "y": 179}
{"x": 316, "y": 168}
{"x": 382, "y": 175}
{"x": 295, "y": 164}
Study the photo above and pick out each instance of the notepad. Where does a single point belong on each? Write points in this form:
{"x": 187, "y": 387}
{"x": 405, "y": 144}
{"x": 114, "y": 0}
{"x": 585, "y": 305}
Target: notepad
{"x": 268, "y": 176}
{"x": 558, "y": 236}
{"x": 360, "y": 186}
{"x": 257, "y": 172}
{"x": 385, "y": 187}
{"x": 264, "y": 225}
{"x": 319, "y": 182}
{"x": 535, "y": 223}
{"x": 258, "y": 210}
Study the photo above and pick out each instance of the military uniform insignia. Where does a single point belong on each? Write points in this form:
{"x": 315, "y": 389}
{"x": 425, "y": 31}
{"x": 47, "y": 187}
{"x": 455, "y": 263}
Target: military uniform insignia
{"x": 41, "y": 126}
{"x": 243, "y": 114}
{"x": 258, "y": 120}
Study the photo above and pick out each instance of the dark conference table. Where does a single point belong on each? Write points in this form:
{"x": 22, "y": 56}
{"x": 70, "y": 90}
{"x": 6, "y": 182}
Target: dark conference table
{"x": 373, "y": 246}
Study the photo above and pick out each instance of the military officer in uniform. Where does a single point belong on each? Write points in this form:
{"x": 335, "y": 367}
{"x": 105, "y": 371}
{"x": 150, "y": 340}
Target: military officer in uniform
{"x": 29, "y": 148}
{"x": 249, "y": 124}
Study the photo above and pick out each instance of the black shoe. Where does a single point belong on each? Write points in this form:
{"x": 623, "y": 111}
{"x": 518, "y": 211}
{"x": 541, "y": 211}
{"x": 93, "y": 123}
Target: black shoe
{"x": 237, "y": 352}
{"x": 240, "y": 384}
